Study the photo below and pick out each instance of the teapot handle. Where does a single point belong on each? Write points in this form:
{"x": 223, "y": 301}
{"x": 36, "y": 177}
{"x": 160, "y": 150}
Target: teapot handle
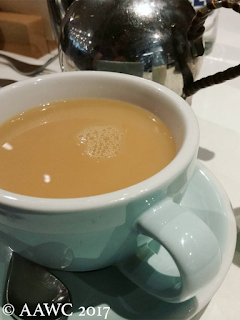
{"x": 196, "y": 31}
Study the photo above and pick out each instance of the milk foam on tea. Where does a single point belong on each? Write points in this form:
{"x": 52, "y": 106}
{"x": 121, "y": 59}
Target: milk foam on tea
{"x": 80, "y": 148}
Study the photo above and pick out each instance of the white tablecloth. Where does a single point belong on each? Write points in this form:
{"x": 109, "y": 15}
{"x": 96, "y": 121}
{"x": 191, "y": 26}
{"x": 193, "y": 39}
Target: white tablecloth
{"x": 218, "y": 111}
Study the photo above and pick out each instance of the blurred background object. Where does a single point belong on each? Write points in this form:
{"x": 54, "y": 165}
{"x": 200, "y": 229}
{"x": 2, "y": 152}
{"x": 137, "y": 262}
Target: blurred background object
{"x": 25, "y": 27}
{"x": 165, "y": 36}
{"x": 57, "y": 10}
{"x": 143, "y": 38}
{"x": 210, "y": 33}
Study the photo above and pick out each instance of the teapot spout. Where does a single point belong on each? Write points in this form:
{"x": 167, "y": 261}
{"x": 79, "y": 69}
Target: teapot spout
{"x": 57, "y": 10}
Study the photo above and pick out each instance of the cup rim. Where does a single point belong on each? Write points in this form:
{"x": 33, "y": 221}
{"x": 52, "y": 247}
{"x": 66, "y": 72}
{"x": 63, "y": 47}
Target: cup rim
{"x": 181, "y": 160}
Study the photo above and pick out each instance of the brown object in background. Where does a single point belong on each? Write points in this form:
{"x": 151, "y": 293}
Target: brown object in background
{"x": 52, "y": 45}
{"x": 23, "y": 34}
{"x": 2, "y": 42}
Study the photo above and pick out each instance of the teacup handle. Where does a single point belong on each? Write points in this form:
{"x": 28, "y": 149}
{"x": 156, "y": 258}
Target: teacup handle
{"x": 196, "y": 31}
{"x": 189, "y": 241}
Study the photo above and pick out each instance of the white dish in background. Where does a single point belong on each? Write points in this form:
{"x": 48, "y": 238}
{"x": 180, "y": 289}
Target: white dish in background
{"x": 108, "y": 287}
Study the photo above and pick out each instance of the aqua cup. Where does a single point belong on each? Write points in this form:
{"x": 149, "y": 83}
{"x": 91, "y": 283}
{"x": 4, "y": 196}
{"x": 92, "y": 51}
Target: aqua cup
{"x": 126, "y": 228}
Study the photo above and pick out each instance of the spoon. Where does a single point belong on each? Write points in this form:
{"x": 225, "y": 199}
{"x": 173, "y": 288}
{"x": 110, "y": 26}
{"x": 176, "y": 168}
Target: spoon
{"x": 30, "y": 287}
{"x": 26, "y": 68}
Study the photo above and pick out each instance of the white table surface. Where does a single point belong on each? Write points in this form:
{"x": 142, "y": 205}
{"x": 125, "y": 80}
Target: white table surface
{"x": 218, "y": 112}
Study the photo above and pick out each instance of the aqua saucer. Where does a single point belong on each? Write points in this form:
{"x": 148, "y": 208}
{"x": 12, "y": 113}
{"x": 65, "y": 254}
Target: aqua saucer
{"x": 110, "y": 288}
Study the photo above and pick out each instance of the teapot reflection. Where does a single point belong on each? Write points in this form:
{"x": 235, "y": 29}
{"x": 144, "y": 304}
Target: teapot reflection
{"x": 160, "y": 40}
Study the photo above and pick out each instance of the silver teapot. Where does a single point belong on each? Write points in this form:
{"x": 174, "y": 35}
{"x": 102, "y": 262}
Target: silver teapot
{"x": 160, "y": 40}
